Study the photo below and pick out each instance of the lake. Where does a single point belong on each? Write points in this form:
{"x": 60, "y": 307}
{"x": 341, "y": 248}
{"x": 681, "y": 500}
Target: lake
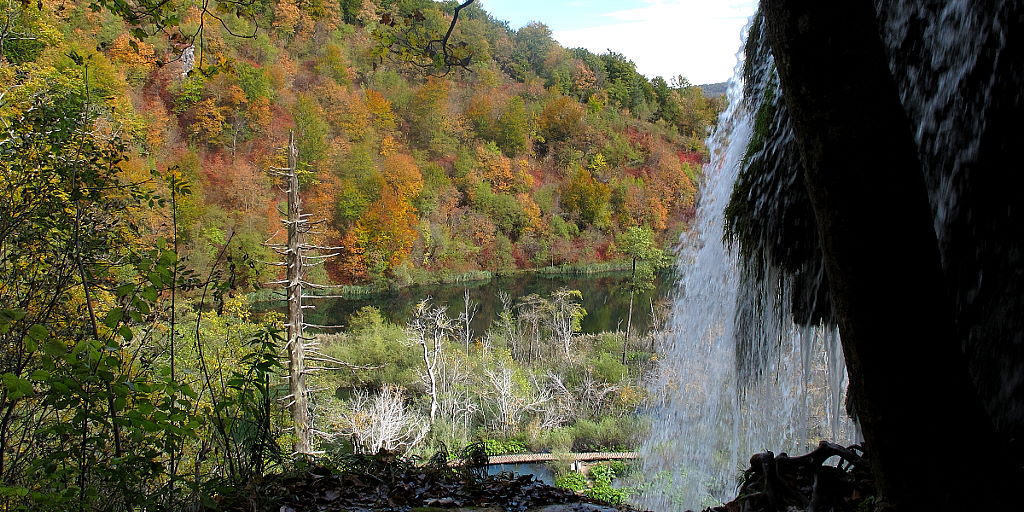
{"x": 605, "y": 297}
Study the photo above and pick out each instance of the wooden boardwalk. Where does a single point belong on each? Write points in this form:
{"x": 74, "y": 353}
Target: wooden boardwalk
{"x": 526, "y": 458}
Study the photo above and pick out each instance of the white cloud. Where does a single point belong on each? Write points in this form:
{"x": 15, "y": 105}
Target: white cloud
{"x": 694, "y": 38}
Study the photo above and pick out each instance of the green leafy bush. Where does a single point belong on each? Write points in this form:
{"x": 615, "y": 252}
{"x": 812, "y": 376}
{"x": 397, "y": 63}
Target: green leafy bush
{"x": 253, "y": 81}
{"x": 597, "y": 484}
{"x": 609, "y": 494}
{"x": 495, "y": 447}
{"x": 607, "y": 434}
{"x": 601, "y": 489}
{"x": 572, "y": 481}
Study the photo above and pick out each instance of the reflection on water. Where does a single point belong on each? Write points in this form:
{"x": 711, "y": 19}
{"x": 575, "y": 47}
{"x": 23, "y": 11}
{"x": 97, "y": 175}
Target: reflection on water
{"x": 540, "y": 471}
{"x": 605, "y": 297}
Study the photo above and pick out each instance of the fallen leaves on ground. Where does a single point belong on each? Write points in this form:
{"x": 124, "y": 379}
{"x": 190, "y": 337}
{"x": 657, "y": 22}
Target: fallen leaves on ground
{"x": 386, "y": 482}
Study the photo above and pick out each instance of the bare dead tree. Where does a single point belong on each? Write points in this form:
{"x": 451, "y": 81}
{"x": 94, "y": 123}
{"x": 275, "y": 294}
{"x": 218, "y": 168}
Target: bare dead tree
{"x": 430, "y": 327}
{"x": 594, "y": 394}
{"x": 530, "y": 315}
{"x": 380, "y": 421}
{"x": 469, "y": 310}
{"x": 299, "y": 254}
{"x": 510, "y": 402}
{"x": 659, "y": 322}
{"x": 507, "y": 323}
{"x": 489, "y": 338}
{"x": 456, "y": 402}
{"x": 566, "y": 313}
{"x": 562, "y": 406}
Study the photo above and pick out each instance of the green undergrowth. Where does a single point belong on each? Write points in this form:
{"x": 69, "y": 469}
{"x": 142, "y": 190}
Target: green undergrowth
{"x": 495, "y": 447}
{"x": 597, "y": 483}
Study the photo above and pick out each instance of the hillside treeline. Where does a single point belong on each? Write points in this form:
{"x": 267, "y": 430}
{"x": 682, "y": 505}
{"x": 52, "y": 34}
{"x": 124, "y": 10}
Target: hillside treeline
{"x": 533, "y": 155}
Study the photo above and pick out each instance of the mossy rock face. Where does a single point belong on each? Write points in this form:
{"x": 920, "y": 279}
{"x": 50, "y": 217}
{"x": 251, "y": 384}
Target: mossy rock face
{"x": 769, "y": 216}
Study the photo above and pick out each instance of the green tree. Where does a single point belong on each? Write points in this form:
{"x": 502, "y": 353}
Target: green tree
{"x": 536, "y": 43}
{"x": 312, "y": 131}
{"x": 638, "y": 244}
{"x": 513, "y": 127}
{"x": 503, "y": 209}
{"x": 426, "y": 112}
{"x": 25, "y": 32}
{"x": 75, "y": 404}
{"x": 587, "y": 199}
{"x": 627, "y": 86}
{"x": 668, "y": 103}
{"x": 98, "y": 411}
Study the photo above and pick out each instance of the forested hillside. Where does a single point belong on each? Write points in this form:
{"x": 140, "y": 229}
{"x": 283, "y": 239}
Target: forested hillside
{"x": 533, "y": 155}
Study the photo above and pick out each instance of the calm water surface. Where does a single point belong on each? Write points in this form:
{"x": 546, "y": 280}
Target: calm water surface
{"x": 605, "y": 297}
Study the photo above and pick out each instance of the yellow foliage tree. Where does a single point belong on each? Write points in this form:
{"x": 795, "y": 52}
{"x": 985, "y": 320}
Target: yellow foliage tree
{"x": 532, "y": 211}
{"x": 141, "y": 54}
{"x": 385, "y": 234}
{"x": 561, "y": 119}
{"x": 258, "y": 115}
{"x": 495, "y": 168}
{"x": 402, "y": 176}
{"x": 380, "y": 108}
{"x": 208, "y": 126}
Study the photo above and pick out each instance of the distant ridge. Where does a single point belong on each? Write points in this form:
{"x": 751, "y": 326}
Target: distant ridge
{"x": 712, "y": 90}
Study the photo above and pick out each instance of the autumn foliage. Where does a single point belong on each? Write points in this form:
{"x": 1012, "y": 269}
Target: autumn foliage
{"x": 539, "y": 156}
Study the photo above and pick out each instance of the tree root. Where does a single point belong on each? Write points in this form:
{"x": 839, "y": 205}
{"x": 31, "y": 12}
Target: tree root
{"x": 783, "y": 483}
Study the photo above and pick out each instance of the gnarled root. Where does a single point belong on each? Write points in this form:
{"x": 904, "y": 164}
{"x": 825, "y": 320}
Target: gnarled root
{"x": 783, "y": 483}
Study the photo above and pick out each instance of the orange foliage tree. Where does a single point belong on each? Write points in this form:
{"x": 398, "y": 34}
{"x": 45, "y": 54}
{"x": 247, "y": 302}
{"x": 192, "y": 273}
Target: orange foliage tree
{"x": 561, "y": 119}
{"x": 384, "y": 234}
{"x": 383, "y": 116}
{"x": 141, "y": 53}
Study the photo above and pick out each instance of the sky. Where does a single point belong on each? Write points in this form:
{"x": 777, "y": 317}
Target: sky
{"x": 698, "y": 39}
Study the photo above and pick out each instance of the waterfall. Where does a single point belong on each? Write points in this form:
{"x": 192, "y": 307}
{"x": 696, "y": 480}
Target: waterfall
{"x": 752, "y": 360}
{"x": 739, "y": 374}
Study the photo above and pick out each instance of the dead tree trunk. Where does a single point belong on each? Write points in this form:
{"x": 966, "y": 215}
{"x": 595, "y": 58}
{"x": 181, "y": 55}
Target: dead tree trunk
{"x": 430, "y": 328}
{"x": 629, "y": 317}
{"x": 297, "y": 225}
{"x": 299, "y": 254}
{"x": 469, "y": 310}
